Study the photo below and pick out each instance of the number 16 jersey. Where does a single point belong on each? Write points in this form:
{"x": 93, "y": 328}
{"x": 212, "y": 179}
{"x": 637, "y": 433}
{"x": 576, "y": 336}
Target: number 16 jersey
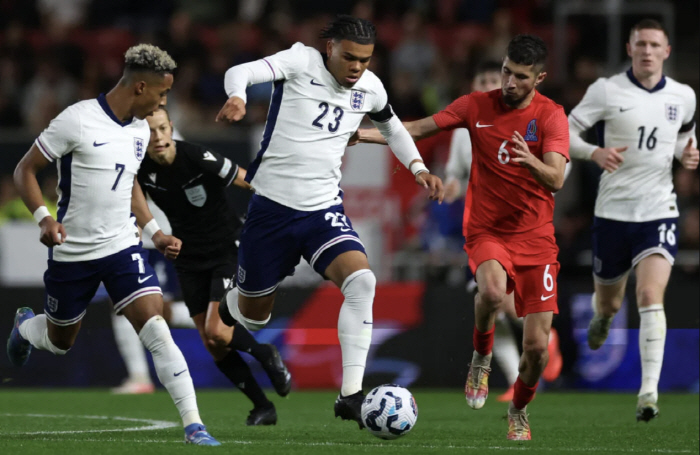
{"x": 506, "y": 199}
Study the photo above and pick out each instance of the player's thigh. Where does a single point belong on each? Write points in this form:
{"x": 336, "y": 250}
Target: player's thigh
{"x": 268, "y": 250}
{"x": 330, "y": 244}
{"x": 612, "y": 250}
{"x": 142, "y": 309}
{"x": 345, "y": 265}
{"x": 128, "y": 276}
{"x": 69, "y": 288}
{"x": 492, "y": 263}
{"x": 508, "y": 306}
{"x": 536, "y": 289}
{"x": 654, "y": 252}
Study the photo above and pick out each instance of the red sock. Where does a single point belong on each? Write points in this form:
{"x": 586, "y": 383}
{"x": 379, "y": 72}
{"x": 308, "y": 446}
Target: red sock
{"x": 523, "y": 393}
{"x": 483, "y": 341}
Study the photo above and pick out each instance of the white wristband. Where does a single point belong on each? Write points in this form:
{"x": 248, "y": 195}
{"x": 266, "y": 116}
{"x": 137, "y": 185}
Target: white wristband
{"x": 417, "y": 167}
{"x": 150, "y": 229}
{"x": 41, "y": 213}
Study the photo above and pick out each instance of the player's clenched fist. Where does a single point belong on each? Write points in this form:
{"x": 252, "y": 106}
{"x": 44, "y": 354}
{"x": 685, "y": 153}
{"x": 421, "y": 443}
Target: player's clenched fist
{"x": 168, "y": 245}
{"x": 690, "y": 156}
{"x": 608, "y": 158}
{"x": 233, "y": 110}
{"x": 52, "y": 232}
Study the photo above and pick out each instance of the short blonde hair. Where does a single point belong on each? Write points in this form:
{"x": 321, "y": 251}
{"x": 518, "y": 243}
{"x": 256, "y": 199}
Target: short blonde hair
{"x": 147, "y": 57}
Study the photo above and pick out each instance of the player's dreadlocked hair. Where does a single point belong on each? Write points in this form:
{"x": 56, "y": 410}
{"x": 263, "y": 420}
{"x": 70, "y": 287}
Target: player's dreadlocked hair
{"x": 528, "y": 50}
{"x": 350, "y": 28}
{"x": 147, "y": 57}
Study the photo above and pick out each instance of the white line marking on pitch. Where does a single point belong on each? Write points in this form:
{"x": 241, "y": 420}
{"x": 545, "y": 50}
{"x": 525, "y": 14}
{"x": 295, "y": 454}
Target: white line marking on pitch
{"x": 417, "y": 446}
{"x": 150, "y": 424}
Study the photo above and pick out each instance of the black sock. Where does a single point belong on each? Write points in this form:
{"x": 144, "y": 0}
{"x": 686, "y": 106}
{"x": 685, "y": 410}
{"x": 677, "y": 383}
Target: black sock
{"x": 242, "y": 340}
{"x": 237, "y": 371}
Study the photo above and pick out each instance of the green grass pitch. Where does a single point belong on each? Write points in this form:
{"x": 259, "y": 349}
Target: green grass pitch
{"x": 93, "y": 421}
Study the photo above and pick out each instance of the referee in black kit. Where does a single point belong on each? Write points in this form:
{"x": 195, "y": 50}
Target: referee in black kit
{"x": 188, "y": 183}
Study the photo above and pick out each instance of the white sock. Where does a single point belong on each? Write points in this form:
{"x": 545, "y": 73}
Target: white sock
{"x": 36, "y": 332}
{"x": 652, "y": 338}
{"x": 251, "y": 324}
{"x": 180, "y": 316}
{"x": 505, "y": 349}
{"x": 355, "y": 327}
{"x": 171, "y": 368}
{"x": 131, "y": 349}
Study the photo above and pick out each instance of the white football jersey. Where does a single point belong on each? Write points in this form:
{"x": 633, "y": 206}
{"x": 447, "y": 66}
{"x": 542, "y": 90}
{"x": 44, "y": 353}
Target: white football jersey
{"x": 459, "y": 163}
{"x": 97, "y": 158}
{"x": 310, "y": 120}
{"x": 647, "y": 122}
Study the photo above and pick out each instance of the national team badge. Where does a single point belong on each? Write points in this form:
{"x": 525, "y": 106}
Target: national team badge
{"x": 138, "y": 148}
{"x": 531, "y": 133}
{"x": 241, "y": 274}
{"x": 197, "y": 195}
{"x": 671, "y": 112}
{"x": 357, "y": 99}
{"x": 52, "y": 303}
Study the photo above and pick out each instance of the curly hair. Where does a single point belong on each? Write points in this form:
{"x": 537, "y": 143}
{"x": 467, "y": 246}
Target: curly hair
{"x": 147, "y": 57}
{"x": 350, "y": 28}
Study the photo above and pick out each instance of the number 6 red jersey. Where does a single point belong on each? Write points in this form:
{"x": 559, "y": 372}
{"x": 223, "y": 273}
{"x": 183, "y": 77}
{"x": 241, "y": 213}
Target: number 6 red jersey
{"x": 506, "y": 199}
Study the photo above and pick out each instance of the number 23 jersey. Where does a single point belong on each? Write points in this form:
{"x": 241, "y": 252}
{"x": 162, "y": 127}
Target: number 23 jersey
{"x": 506, "y": 199}
{"x": 625, "y": 113}
{"x": 310, "y": 120}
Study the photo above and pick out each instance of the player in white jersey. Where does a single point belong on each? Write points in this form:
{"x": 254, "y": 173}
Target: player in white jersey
{"x": 98, "y": 146}
{"x": 297, "y": 209}
{"x": 644, "y": 119}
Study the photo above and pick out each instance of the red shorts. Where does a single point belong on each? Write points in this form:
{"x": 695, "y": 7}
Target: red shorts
{"x": 531, "y": 266}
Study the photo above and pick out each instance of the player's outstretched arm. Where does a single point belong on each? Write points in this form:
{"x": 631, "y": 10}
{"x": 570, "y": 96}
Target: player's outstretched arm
{"x": 52, "y": 232}
{"x": 419, "y": 129}
{"x": 239, "y": 181}
{"x": 549, "y": 173}
{"x": 166, "y": 244}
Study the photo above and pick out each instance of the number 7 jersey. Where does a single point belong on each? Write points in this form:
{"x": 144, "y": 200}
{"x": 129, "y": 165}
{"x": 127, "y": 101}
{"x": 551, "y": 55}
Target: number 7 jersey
{"x": 97, "y": 158}
{"x": 507, "y": 201}
{"x": 624, "y": 113}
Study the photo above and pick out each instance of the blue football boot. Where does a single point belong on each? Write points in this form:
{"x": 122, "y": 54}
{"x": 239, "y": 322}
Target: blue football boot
{"x": 196, "y": 433}
{"x": 18, "y": 349}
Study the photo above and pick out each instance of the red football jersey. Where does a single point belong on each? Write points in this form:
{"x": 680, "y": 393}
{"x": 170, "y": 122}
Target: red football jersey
{"x": 506, "y": 200}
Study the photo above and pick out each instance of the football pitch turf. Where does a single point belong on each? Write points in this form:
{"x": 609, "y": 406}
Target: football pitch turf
{"x": 93, "y": 421}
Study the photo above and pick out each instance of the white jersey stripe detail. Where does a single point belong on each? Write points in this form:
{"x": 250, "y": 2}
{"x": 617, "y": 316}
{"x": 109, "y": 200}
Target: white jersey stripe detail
{"x": 262, "y": 293}
{"x": 44, "y": 151}
{"x": 330, "y": 243}
{"x": 654, "y": 250}
{"x": 65, "y": 322}
{"x": 135, "y": 295}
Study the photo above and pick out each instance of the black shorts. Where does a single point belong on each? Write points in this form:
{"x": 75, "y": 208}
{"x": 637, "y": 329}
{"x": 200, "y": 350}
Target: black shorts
{"x": 205, "y": 280}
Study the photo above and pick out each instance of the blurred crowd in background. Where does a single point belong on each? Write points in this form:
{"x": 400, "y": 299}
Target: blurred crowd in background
{"x": 56, "y": 52}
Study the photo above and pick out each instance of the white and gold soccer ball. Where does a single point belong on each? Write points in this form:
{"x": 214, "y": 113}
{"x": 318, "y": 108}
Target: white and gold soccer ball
{"x": 389, "y": 411}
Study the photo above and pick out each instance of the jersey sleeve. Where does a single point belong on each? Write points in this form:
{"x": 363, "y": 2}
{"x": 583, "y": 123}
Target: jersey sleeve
{"x": 454, "y": 115}
{"x": 690, "y": 106}
{"x": 460, "y": 160}
{"x": 591, "y": 109}
{"x": 215, "y": 164}
{"x": 556, "y": 133}
{"x": 288, "y": 63}
{"x": 61, "y": 136}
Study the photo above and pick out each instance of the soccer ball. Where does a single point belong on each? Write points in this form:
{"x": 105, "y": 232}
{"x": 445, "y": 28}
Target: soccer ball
{"x": 389, "y": 411}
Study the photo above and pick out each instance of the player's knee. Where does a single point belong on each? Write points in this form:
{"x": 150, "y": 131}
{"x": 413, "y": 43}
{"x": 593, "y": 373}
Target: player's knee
{"x": 215, "y": 337}
{"x": 155, "y": 334}
{"x": 535, "y": 350}
{"x": 648, "y": 295}
{"x": 492, "y": 295}
{"x": 358, "y": 288}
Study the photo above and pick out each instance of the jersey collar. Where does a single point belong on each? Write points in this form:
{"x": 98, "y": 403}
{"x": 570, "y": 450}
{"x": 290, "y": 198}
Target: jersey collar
{"x": 661, "y": 84}
{"x": 102, "y": 99}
